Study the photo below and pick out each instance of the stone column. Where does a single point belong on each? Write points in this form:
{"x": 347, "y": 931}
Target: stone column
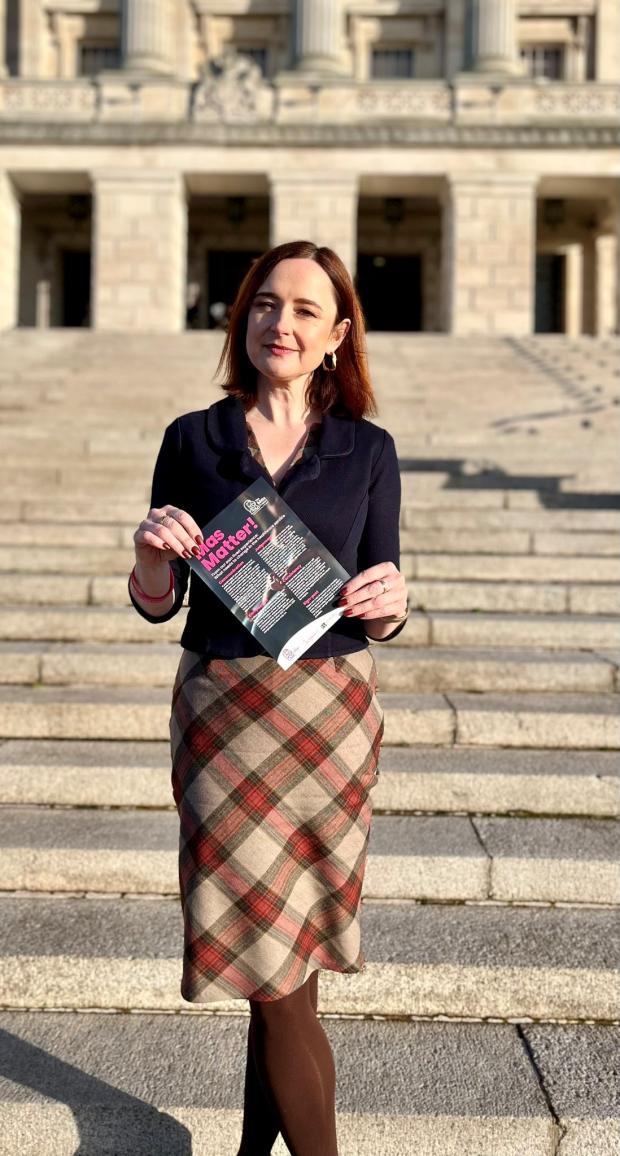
{"x": 617, "y": 278}
{"x": 494, "y": 31}
{"x": 147, "y": 36}
{"x": 10, "y": 219}
{"x": 606, "y": 245}
{"x": 317, "y": 206}
{"x": 3, "y": 14}
{"x": 588, "y": 322}
{"x": 139, "y": 250}
{"x": 489, "y": 253}
{"x": 573, "y": 312}
{"x": 318, "y": 36}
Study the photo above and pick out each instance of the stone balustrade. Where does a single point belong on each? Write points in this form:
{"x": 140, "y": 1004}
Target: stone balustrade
{"x": 471, "y": 101}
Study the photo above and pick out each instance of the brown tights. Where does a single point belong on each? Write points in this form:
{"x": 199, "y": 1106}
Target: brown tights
{"x": 290, "y": 1077}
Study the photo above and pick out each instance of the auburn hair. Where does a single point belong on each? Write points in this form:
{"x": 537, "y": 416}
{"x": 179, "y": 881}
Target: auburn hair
{"x": 347, "y": 390}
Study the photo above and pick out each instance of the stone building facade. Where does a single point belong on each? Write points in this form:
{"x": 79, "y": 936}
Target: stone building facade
{"x": 462, "y": 156}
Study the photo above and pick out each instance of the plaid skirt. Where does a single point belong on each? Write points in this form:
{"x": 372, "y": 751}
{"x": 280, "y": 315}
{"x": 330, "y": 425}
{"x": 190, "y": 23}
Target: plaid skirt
{"x": 271, "y": 774}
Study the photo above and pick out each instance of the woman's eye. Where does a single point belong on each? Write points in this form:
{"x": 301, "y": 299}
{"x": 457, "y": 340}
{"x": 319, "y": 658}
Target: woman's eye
{"x": 268, "y": 304}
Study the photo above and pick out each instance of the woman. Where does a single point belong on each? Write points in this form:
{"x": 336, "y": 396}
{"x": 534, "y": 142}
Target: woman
{"x": 272, "y": 769}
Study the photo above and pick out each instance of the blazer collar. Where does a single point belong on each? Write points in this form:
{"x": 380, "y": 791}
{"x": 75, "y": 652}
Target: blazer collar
{"x": 226, "y": 427}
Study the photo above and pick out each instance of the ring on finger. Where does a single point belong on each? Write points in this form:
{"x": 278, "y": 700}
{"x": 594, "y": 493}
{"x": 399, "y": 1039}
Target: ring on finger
{"x": 385, "y": 585}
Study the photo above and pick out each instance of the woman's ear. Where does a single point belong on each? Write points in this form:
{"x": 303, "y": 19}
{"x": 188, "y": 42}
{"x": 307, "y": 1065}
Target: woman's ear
{"x": 341, "y": 329}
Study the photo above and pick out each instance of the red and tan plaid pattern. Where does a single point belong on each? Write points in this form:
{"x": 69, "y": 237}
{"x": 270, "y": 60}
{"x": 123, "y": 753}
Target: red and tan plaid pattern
{"x": 271, "y": 774}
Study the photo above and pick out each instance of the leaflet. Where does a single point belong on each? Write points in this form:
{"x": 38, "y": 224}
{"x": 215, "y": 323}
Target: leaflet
{"x": 271, "y": 572}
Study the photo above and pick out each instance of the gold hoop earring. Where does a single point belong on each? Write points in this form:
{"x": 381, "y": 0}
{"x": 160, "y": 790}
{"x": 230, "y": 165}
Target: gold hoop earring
{"x": 334, "y": 363}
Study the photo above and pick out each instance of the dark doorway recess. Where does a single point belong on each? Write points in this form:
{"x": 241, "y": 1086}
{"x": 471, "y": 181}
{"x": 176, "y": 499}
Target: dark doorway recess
{"x": 550, "y": 293}
{"x": 75, "y": 288}
{"x": 390, "y": 289}
{"x": 225, "y": 271}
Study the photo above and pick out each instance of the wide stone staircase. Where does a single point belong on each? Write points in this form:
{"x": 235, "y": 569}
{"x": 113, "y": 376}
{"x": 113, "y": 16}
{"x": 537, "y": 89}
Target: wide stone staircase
{"x": 487, "y": 1021}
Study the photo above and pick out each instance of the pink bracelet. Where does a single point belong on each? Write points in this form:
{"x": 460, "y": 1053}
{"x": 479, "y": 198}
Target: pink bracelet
{"x": 149, "y": 597}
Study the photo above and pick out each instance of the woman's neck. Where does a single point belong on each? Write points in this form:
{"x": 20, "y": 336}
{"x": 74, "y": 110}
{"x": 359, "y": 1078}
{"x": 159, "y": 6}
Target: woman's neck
{"x": 261, "y": 408}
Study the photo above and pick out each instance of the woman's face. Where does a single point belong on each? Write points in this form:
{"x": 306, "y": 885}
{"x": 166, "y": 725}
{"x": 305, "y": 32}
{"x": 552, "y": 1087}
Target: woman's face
{"x": 291, "y": 323}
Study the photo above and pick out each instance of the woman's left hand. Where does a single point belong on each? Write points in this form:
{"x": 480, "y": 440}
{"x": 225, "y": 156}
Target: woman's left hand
{"x": 378, "y": 592}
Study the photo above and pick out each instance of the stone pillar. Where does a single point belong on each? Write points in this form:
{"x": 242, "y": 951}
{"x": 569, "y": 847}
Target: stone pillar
{"x": 147, "y": 36}
{"x": 3, "y": 15}
{"x": 318, "y": 206}
{"x": 573, "y": 312}
{"x": 318, "y": 36}
{"x": 588, "y": 323}
{"x": 617, "y": 278}
{"x": 139, "y": 250}
{"x": 607, "y": 39}
{"x": 489, "y": 254}
{"x": 494, "y": 31}
{"x": 10, "y": 218}
{"x": 605, "y": 290}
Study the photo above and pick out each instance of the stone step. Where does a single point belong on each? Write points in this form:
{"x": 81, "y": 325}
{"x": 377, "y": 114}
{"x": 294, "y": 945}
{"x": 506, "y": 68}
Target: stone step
{"x": 136, "y": 481}
{"x": 107, "y": 584}
{"x": 83, "y": 560}
{"x": 485, "y": 521}
{"x": 603, "y": 494}
{"x": 476, "y": 779}
{"x": 428, "y": 857}
{"x": 113, "y": 537}
{"x": 131, "y": 512}
{"x": 504, "y": 541}
{"x": 89, "y": 624}
{"x": 531, "y": 720}
{"x": 453, "y": 628}
{"x": 116, "y": 489}
{"x": 399, "y": 668}
{"x": 86, "y": 952}
{"x": 516, "y": 568}
{"x": 439, "y": 628}
{"x": 403, "y": 669}
{"x": 62, "y": 508}
{"x": 64, "y": 585}
{"x": 89, "y": 773}
{"x": 76, "y": 569}
{"x": 514, "y": 720}
{"x": 413, "y": 521}
{"x": 513, "y": 597}
{"x": 147, "y": 1085}
{"x": 591, "y": 544}
{"x": 533, "y": 485}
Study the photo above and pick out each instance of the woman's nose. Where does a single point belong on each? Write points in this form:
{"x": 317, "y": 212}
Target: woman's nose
{"x": 280, "y": 321}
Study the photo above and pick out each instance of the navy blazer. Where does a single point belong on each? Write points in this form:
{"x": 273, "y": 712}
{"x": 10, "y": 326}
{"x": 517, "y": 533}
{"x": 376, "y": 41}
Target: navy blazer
{"x": 347, "y": 492}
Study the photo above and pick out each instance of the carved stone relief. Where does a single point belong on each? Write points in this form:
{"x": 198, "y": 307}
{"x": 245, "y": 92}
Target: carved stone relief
{"x": 232, "y": 89}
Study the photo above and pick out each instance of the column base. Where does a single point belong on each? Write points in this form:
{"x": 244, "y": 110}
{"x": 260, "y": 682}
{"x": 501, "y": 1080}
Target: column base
{"x": 146, "y": 65}
{"x": 495, "y": 66}
{"x": 482, "y": 75}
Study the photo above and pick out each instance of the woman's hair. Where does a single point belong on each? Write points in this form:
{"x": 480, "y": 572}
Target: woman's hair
{"x": 347, "y": 389}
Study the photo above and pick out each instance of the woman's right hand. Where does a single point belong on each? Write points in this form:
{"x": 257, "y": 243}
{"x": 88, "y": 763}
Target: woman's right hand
{"x": 165, "y": 531}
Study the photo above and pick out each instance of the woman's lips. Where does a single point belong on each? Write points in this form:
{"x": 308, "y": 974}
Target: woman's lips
{"x": 279, "y": 350}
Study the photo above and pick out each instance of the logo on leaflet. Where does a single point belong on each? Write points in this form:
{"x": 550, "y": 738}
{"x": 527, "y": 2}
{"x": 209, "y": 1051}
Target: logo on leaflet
{"x": 254, "y": 504}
